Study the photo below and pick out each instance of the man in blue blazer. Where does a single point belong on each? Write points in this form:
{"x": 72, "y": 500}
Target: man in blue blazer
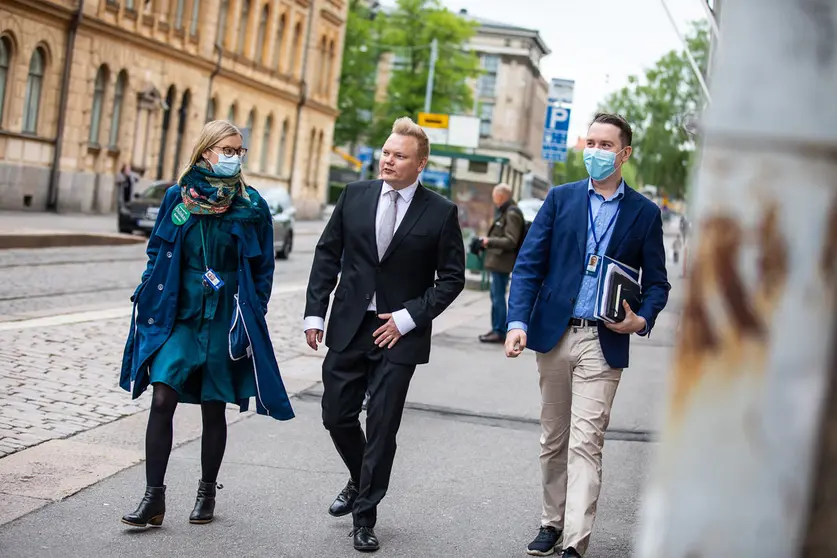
{"x": 551, "y": 311}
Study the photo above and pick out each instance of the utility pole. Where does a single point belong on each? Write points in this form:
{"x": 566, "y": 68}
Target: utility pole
{"x": 431, "y": 74}
{"x": 749, "y": 449}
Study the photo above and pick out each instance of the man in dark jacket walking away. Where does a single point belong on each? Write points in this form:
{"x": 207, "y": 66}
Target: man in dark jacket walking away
{"x": 501, "y": 246}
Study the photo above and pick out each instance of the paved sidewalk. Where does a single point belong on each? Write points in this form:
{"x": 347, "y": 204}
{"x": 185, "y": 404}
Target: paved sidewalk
{"x": 465, "y": 481}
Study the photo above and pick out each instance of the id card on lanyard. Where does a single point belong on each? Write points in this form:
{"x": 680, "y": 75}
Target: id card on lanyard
{"x": 593, "y": 261}
{"x": 210, "y": 277}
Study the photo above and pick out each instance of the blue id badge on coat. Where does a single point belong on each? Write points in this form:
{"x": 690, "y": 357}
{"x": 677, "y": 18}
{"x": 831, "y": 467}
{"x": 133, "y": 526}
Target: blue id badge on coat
{"x": 592, "y": 267}
{"x": 212, "y": 279}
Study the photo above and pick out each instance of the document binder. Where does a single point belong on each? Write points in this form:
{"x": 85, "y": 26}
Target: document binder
{"x": 617, "y": 282}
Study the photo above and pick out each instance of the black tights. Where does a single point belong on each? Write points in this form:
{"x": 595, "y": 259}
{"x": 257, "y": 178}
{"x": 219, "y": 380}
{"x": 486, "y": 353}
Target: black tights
{"x": 158, "y": 436}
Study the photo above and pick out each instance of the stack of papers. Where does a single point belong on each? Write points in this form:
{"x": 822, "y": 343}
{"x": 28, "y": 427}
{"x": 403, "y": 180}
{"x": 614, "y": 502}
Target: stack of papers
{"x": 617, "y": 283}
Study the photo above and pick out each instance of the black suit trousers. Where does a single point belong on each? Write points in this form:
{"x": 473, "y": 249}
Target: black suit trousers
{"x": 347, "y": 375}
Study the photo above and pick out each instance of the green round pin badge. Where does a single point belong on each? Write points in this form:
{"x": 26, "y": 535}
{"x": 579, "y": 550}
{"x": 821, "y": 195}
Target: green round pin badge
{"x": 180, "y": 214}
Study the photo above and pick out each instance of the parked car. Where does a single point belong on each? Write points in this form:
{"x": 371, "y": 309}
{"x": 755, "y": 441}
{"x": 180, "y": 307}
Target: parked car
{"x": 140, "y": 213}
{"x": 283, "y": 211}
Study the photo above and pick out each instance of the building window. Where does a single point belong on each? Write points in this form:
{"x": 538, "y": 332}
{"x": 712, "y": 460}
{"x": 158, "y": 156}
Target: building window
{"x": 222, "y": 23}
{"x": 488, "y": 80}
{"x": 321, "y": 78}
{"x": 247, "y": 132}
{"x": 164, "y": 131}
{"x": 178, "y": 14}
{"x": 34, "y": 85}
{"x": 297, "y": 45}
{"x": 183, "y": 119}
{"x": 210, "y": 109}
{"x": 98, "y": 100}
{"x": 259, "y": 55}
{"x": 283, "y": 140}
{"x": 479, "y": 167}
{"x": 5, "y": 64}
{"x": 312, "y": 145}
{"x": 332, "y": 58}
{"x": 232, "y": 114}
{"x": 280, "y": 36}
{"x": 486, "y": 115}
{"x": 129, "y": 5}
{"x": 242, "y": 26}
{"x": 268, "y": 130}
{"x": 116, "y": 116}
{"x": 196, "y": 14}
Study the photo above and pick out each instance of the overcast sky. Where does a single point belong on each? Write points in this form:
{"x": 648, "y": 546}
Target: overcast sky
{"x": 598, "y": 43}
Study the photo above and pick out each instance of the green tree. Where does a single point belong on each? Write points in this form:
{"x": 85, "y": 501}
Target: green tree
{"x": 655, "y": 105}
{"x": 357, "y": 77}
{"x": 408, "y": 31}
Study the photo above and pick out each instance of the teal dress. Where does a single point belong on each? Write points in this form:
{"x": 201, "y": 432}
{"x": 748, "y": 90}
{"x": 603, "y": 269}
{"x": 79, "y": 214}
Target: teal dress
{"x": 195, "y": 359}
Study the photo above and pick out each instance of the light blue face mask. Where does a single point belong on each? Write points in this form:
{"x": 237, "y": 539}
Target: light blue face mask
{"x": 600, "y": 163}
{"x": 227, "y": 166}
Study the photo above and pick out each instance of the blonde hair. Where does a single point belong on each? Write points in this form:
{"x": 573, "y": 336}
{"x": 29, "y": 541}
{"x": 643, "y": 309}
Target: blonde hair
{"x": 212, "y": 133}
{"x": 405, "y": 126}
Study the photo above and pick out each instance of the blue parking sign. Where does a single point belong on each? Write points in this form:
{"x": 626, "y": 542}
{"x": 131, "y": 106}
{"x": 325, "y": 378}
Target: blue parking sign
{"x": 556, "y": 127}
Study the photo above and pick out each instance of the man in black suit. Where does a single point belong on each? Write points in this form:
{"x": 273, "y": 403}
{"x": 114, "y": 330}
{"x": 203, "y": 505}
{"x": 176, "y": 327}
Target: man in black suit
{"x": 402, "y": 264}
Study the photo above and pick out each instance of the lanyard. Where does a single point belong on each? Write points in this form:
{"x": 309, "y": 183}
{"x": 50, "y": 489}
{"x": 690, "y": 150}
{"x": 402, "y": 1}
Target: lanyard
{"x": 203, "y": 244}
{"x": 596, "y": 239}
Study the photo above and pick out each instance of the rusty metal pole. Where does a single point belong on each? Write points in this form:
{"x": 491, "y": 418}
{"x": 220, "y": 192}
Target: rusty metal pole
{"x": 746, "y": 467}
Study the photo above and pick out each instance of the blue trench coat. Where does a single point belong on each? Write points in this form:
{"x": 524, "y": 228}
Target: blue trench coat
{"x": 155, "y": 305}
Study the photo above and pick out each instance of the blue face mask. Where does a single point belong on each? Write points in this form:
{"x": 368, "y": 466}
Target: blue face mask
{"x": 227, "y": 166}
{"x": 600, "y": 163}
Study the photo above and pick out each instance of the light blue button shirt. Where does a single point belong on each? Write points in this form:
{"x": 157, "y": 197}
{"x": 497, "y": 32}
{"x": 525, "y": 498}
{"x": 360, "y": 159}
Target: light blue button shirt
{"x": 604, "y": 210}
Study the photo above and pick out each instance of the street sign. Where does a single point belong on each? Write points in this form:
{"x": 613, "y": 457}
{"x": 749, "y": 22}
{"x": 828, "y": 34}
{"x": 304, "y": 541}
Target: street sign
{"x": 436, "y": 178}
{"x": 429, "y": 120}
{"x": 556, "y": 127}
{"x": 364, "y": 155}
{"x": 561, "y": 91}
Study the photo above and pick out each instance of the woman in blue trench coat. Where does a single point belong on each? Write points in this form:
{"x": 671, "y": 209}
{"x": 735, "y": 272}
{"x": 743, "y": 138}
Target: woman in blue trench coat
{"x": 198, "y": 331}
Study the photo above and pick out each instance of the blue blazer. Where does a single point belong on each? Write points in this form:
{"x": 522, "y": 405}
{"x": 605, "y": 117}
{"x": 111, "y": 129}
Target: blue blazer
{"x": 155, "y": 304}
{"x": 550, "y": 267}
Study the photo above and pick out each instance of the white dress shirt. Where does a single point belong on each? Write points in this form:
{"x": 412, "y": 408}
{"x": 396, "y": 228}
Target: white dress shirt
{"x": 403, "y": 321}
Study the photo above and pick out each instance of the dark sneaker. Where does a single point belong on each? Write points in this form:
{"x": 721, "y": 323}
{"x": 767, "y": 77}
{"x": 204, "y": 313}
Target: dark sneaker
{"x": 570, "y": 553}
{"x": 545, "y": 543}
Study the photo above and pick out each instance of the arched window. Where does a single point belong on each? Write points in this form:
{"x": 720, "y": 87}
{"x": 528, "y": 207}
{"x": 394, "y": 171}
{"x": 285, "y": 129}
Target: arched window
{"x": 268, "y": 131}
{"x": 164, "y": 130}
{"x": 295, "y": 47}
{"x": 178, "y": 14}
{"x": 211, "y": 108}
{"x": 99, "y": 88}
{"x": 116, "y": 116}
{"x": 196, "y": 14}
{"x": 232, "y": 114}
{"x": 312, "y": 146}
{"x": 222, "y": 22}
{"x": 242, "y": 26}
{"x": 182, "y": 121}
{"x": 280, "y": 37}
{"x": 259, "y": 55}
{"x": 5, "y": 64}
{"x": 332, "y": 58}
{"x": 317, "y": 161}
{"x": 248, "y": 134}
{"x": 321, "y": 80}
{"x": 283, "y": 140}
{"x": 34, "y": 85}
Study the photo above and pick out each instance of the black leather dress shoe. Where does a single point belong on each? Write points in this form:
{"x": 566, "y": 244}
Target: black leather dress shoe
{"x": 365, "y": 539}
{"x": 345, "y": 501}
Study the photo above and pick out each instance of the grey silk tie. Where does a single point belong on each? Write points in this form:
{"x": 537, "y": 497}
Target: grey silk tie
{"x": 387, "y": 228}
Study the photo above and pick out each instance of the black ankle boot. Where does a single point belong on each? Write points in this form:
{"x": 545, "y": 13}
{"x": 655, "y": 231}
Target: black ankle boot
{"x": 151, "y": 510}
{"x": 205, "y": 503}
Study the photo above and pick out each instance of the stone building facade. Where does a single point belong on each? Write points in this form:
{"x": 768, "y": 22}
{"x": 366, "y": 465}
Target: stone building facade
{"x": 143, "y": 77}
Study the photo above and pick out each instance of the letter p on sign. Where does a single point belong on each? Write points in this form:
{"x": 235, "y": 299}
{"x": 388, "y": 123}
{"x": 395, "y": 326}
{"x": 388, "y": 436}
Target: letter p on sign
{"x": 557, "y": 118}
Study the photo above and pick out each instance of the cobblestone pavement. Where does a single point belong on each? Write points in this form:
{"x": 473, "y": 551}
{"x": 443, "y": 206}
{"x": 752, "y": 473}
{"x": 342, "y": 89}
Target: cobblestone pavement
{"x": 60, "y": 380}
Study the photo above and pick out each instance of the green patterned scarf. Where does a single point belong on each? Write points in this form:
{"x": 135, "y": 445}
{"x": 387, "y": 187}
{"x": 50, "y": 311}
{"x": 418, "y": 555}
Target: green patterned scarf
{"x": 206, "y": 193}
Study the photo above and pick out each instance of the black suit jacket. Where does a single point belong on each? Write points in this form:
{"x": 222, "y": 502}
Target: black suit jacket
{"x": 423, "y": 269}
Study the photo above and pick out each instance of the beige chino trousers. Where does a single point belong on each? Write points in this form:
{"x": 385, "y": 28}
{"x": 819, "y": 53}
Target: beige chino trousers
{"x": 577, "y": 390}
